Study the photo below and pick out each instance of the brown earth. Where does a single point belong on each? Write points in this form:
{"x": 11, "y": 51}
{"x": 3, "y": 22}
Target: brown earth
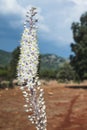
{"x": 66, "y": 108}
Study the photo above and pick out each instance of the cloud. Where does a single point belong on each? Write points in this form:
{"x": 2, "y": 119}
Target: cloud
{"x": 16, "y": 8}
{"x": 79, "y": 2}
{"x": 80, "y": 7}
{"x": 10, "y": 7}
{"x": 44, "y": 28}
{"x": 55, "y": 16}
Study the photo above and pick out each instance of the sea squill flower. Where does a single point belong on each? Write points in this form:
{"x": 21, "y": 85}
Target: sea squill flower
{"x": 27, "y": 73}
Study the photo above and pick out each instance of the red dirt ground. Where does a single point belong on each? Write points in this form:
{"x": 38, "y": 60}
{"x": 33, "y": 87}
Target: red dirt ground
{"x": 66, "y": 108}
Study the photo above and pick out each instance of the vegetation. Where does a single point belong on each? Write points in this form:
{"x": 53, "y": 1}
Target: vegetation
{"x": 66, "y": 73}
{"x": 48, "y": 67}
{"x": 48, "y": 74}
{"x": 79, "y": 57}
{"x": 8, "y": 71}
{"x": 3, "y": 73}
{"x": 51, "y": 62}
{"x": 13, "y": 63}
{"x": 5, "y": 58}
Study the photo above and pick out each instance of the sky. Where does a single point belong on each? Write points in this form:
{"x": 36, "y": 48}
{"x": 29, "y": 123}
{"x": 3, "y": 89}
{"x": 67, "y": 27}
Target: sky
{"x": 55, "y": 19}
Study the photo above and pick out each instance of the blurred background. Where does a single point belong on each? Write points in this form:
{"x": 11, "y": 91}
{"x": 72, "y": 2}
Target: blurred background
{"x": 62, "y": 40}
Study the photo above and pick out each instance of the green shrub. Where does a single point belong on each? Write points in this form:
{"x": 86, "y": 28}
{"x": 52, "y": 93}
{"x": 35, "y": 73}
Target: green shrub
{"x": 85, "y": 76}
{"x": 66, "y": 73}
{"x": 47, "y": 74}
{"x": 6, "y": 84}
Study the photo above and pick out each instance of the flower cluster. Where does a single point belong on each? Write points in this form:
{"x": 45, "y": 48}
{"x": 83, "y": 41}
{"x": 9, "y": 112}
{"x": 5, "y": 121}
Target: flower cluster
{"x": 27, "y": 73}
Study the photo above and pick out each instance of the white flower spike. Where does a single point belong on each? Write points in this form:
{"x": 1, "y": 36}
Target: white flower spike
{"x": 27, "y": 72}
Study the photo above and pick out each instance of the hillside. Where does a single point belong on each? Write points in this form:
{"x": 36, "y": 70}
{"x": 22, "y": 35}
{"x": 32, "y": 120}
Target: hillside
{"x": 51, "y": 61}
{"x": 47, "y": 61}
{"x": 5, "y": 57}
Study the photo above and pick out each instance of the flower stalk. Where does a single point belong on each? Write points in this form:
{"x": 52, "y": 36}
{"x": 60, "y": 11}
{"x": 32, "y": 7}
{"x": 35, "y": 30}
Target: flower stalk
{"x": 27, "y": 72}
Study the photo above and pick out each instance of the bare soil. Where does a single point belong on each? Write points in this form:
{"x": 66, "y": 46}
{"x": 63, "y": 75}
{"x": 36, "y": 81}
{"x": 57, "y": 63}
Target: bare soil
{"x": 66, "y": 107}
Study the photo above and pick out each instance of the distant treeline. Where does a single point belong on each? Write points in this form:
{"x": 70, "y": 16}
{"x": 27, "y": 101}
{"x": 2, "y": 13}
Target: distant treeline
{"x": 63, "y": 73}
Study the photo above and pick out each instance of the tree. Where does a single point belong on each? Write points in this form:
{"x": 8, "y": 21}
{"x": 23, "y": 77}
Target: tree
{"x": 3, "y": 73}
{"x": 13, "y": 63}
{"x": 66, "y": 73}
{"x": 48, "y": 74}
{"x": 79, "y": 48}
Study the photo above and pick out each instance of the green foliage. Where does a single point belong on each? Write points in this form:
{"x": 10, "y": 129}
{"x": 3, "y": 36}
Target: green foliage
{"x": 47, "y": 74}
{"x": 5, "y": 58}
{"x": 48, "y": 66}
{"x": 13, "y": 64}
{"x": 85, "y": 75}
{"x": 10, "y": 60}
{"x": 6, "y": 84}
{"x": 79, "y": 57}
{"x": 3, "y": 73}
{"x": 66, "y": 73}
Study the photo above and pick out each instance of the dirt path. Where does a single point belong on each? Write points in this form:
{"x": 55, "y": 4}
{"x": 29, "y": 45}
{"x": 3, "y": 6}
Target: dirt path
{"x": 66, "y": 108}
